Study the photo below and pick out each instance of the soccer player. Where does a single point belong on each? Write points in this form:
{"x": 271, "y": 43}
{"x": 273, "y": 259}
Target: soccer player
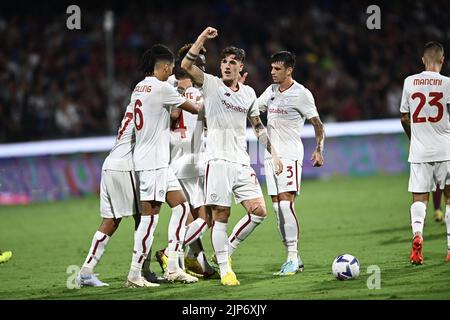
{"x": 228, "y": 173}
{"x": 188, "y": 162}
{"x": 438, "y": 214}
{"x": 5, "y": 256}
{"x": 425, "y": 119}
{"x": 288, "y": 104}
{"x": 118, "y": 199}
{"x": 153, "y": 99}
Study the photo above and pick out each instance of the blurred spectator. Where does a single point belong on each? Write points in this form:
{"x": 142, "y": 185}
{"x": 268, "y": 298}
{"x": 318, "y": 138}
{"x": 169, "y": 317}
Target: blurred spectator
{"x": 67, "y": 118}
{"x": 53, "y": 80}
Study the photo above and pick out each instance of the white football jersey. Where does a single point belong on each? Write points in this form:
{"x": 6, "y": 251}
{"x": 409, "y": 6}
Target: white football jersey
{"x": 152, "y": 101}
{"x": 425, "y": 97}
{"x": 121, "y": 156}
{"x": 286, "y": 114}
{"x": 226, "y": 115}
{"x": 186, "y": 141}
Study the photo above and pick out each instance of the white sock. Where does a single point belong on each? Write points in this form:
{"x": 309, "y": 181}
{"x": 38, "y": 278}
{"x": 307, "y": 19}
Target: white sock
{"x": 243, "y": 229}
{"x": 280, "y": 221}
{"x": 177, "y": 231}
{"x": 181, "y": 259}
{"x": 195, "y": 230}
{"x": 99, "y": 242}
{"x": 219, "y": 240}
{"x": 143, "y": 239}
{"x": 418, "y": 213}
{"x": 447, "y": 222}
{"x": 290, "y": 228}
{"x": 201, "y": 259}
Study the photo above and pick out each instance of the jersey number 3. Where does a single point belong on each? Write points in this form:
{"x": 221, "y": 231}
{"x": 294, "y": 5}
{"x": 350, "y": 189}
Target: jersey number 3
{"x": 435, "y": 97}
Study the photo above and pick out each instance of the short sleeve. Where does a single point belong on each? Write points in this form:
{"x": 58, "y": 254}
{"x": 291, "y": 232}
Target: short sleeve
{"x": 170, "y": 96}
{"x": 404, "y": 104}
{"x": 254, "y": 109}
{"x": 306, "y": 105}
{"x": 448, "y": 95}
{"x": 263, "y": 99}
{"x": 209, "y": 83}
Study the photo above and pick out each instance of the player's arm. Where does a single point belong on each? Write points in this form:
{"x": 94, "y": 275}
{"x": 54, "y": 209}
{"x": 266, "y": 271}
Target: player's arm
{"x": 317, "y": 156}
{"x": 191, "y": 107}
{"x": 187, "y": 63}
{"x": 261, "y": 133}
{"x": 405, "y": 110}
{"x": 406, "y": 124}
{"x": 175, "y": 114}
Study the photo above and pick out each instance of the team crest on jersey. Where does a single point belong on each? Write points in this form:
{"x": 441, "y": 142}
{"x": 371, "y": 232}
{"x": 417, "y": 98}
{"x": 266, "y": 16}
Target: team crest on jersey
{"x": 161, "y": 193}
{"x": 213, "y": 196}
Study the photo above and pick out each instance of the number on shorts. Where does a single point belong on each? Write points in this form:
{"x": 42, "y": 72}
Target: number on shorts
{"x": 255, "y": 177}
{"x": 289, "y": 169}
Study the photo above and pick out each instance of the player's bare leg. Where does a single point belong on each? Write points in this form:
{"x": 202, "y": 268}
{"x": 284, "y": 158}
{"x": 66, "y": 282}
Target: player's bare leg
{"x": 177, "y": 231}
{"x": 418, "y": 214}
{"x": 196, "y": 260}
{"x": 143, "y": 239}
{"x": 87, "y": 277}
{"x": 447, "y": 218}
{"x": 256, "y": 213}
{"x": 438, "y": 213}
{"x": 284, "y": 206}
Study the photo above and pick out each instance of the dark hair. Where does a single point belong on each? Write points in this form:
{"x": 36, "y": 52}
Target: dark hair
{"x": 156, "y": 53}
{"x": 288, "y": 58}
{"x": 200, "y": 62}
{"x": 238, "y": 53}
{"x": 185, "y": 49}
{"x": 434, "y": 46}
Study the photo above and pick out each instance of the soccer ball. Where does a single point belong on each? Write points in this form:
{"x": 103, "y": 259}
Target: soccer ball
{"x": 345, "y": 267}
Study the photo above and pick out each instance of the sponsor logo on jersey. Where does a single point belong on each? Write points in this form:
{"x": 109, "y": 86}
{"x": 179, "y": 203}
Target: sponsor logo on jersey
{"x": 277, "y": 110}
{"x": 230, "y": 106}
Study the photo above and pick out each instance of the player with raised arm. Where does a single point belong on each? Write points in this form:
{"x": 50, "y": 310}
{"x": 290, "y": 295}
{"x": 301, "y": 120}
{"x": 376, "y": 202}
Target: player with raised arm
{"x": 188, "y": 163}
{"x": 228, "y": 104}
{"x": 425, "y": 119}
{"x": 288, "y": 104}
{"x": 153, "y": 99}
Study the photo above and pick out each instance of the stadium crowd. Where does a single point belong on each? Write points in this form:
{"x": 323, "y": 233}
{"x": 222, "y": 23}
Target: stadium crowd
{"x": 53, "y": 80}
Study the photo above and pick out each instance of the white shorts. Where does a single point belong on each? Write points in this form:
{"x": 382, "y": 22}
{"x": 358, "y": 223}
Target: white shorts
{"x": 194, "y": 190}
{"x": 424, "y": 177}
{"x": 118, "y": 194}
{"x": 224, "y": 179}
{"x": 154, "y": 184}
{"x": 288, "y": 181}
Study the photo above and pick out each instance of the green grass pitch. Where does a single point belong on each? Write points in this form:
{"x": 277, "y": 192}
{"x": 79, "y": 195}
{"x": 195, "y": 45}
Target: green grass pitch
{"x": 367, "y": 217}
